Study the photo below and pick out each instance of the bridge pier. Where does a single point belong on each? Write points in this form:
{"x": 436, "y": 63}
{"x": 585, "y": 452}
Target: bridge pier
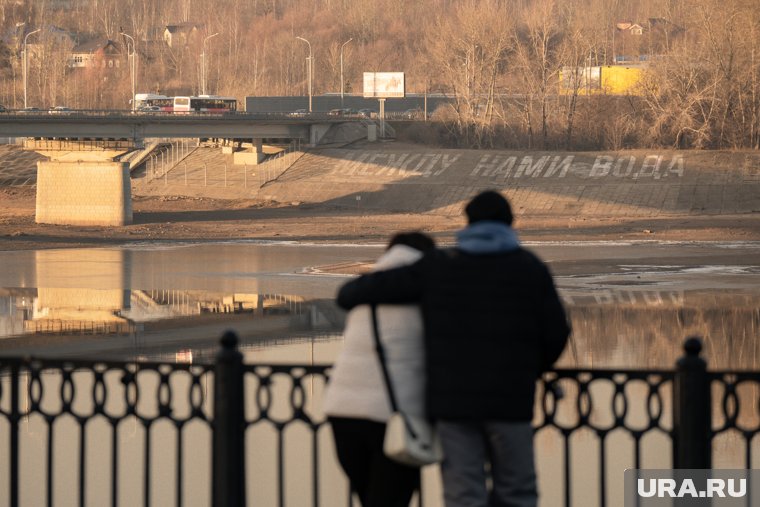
{"x": 81, "y": 184}
{"x": 253, "y": 157}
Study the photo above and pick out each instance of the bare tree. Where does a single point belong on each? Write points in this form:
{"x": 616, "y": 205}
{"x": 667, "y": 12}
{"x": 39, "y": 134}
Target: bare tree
{"x": 537, "y": 41}
{"x": 468, "y": 52}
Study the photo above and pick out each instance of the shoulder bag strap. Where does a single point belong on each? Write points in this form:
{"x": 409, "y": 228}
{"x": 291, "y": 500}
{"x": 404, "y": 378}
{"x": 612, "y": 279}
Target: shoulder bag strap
{"x": 381, "y": 355}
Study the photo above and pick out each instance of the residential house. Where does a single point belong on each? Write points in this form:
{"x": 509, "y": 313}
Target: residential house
{"x": 104, "y": 53}
{"x": 628, "y": 42}
{"x": 152, "y": 45}
{"x": 181, "y": 34}
{"x": 631, "y": 28}
{"x": 636, "y": 42}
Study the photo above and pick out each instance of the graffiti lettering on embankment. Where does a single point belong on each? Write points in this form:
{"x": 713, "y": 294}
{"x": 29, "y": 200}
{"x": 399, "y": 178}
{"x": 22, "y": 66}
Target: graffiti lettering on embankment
{"x": 504, "y": 166}
{"x": 611, "y": 184}
{"x": 652, "y": 166}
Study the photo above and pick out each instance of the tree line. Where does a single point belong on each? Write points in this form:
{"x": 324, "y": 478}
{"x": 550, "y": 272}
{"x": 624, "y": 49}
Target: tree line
{"x": 500, "y": 61}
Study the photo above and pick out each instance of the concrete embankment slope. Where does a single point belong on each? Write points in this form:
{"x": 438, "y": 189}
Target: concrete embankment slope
{"x": 409, "y": 178}
{"x": 18, "y": 167}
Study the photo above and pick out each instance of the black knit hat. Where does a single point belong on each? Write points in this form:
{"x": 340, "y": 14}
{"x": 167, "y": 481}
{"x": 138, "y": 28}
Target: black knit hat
{"x": 489, "y": 205}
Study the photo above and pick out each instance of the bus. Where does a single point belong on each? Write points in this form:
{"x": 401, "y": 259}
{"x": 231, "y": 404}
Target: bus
{"x": 147, "y": 101}
{"x": 185, "y": 104}
{"x": 205, "y": 104}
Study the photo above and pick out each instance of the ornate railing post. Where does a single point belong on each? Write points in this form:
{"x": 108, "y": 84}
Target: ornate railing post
{"x": 691, "y": 403}
{"x": 15, "y": 417}
{"x": 229, "y": 426}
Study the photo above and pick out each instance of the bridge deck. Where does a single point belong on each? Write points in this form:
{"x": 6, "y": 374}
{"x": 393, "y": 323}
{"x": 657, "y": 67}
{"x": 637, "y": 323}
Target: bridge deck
{"x": 121, "y": 125}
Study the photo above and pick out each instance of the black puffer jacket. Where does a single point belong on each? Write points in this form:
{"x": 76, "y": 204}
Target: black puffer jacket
{"x": 493, "y": 324}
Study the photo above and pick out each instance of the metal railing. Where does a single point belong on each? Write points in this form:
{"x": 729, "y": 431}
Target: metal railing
{"x": 168, "y": 155}
{"x": 269, "y": 443}
{"x": 114, "y": 392}
{"x": 79, "y": 327}
{"x": 188, "y": 116}
{"x": 273, "y": 167}
{"x": 171, "y": 166}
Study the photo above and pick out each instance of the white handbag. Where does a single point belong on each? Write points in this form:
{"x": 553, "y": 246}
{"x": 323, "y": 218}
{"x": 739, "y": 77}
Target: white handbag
{"x": 410, "y": 440}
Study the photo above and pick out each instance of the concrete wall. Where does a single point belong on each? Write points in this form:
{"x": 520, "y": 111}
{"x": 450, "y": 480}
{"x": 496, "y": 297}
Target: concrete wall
{"x": 247, "y": 157}
{"x": 83, "y": 193}
{"x": 317, "y": 132}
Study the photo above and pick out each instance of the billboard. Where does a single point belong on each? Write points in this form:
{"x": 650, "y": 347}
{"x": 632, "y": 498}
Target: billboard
{"x": 382, "y": 85}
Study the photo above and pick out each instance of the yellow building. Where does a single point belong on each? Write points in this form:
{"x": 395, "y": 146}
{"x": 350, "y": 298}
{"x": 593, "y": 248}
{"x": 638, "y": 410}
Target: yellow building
{"x": 607, "y": 79}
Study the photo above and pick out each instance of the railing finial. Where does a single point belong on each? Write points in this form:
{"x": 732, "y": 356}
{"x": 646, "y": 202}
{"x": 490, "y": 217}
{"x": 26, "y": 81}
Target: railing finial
{"x": 693, "y": 346}
{"x": 229, "y": 340}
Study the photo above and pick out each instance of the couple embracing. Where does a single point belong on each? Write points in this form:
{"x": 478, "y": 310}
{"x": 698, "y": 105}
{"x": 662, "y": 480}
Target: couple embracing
{"x": 467, "y": 332}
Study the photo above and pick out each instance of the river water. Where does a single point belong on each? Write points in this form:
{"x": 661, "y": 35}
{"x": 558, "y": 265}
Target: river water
{"x": 631, "y": 304}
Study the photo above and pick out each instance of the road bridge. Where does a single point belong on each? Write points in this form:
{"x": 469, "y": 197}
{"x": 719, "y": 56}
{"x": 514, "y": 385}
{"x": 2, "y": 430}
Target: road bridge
{"x": 137, "y": 127}
{"x": 82, "y": 183}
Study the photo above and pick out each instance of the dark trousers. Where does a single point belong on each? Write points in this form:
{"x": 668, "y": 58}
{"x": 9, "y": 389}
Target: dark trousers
{"x": 507, "y": 446}
{"x": 377, "y": 480}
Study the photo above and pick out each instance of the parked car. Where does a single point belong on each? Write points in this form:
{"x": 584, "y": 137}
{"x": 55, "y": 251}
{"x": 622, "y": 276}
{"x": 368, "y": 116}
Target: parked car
{"x": 412, "y": 114}
{"x": 59, "y": 110}
{"x": 343, "y": 111}
{"x": 299, "y": 113}
{"x": 2, "y": 109}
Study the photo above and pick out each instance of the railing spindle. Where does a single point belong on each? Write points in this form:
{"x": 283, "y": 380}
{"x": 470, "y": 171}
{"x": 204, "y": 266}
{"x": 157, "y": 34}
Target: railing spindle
{"x": 228, "y": 488}
{"x": 14, "y": 423}
{"x": 691, "y": 418}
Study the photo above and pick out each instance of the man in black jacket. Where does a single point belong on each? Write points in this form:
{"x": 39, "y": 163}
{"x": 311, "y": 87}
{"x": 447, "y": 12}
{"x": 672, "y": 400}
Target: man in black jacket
{"x": 493, "y": 323}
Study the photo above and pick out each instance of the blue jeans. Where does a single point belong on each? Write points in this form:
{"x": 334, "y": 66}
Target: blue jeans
{"x": 469, "y": 447}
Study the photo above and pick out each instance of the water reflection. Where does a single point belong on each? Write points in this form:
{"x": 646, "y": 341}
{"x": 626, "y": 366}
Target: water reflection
{"x": 631, "y": 304}
{"x": 649, "y": 335}
{"x": 146, "y": 295}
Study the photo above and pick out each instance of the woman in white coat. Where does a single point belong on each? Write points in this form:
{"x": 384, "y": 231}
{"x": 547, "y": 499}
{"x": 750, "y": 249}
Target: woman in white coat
{"x": 357, "y": 402}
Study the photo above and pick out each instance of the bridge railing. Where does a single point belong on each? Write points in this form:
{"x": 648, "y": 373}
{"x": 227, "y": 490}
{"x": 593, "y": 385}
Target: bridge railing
{"x": 229, "y": 433}
{"x": 321, "y": 116}
{"x": 167, "y": 156}
{"x": 273, "y": 167}
{"x": 169, "y": 164}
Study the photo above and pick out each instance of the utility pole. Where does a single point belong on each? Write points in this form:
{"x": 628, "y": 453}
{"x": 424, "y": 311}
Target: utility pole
{"x": 133, "y": 67}
{"x": 203, "y": 64}
{"x": 341, "y": 70}
{"x": 310, "y": 65}
{"x": 26, "y": 61}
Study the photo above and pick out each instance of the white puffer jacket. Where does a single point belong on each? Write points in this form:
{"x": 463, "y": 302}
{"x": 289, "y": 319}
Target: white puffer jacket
{"x": 357, "y": 389}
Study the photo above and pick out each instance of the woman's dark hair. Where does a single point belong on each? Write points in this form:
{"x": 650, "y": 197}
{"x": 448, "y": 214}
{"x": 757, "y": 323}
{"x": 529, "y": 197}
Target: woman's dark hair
{"x": 418, "y": 240}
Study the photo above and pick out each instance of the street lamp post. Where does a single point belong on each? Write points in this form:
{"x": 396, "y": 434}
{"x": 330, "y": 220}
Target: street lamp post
{"x": 203, "y": 63}
{"x": 133, "y": 67}
{"x": 341, "y": 70}
{"x": 310, "y": 65}
{"x": 26, "y": 61}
